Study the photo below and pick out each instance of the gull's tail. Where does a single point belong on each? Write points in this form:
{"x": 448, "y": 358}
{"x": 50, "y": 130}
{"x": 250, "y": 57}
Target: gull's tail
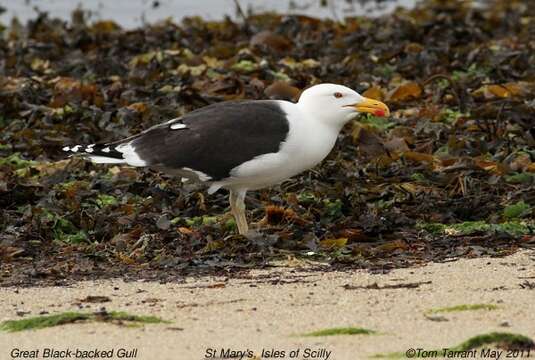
{"x": 100, "y": 154}
{"x": 120, "y": 152}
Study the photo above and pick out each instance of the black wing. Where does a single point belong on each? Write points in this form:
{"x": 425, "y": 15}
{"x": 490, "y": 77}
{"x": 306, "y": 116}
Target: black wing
{"x": 215, "y": 139}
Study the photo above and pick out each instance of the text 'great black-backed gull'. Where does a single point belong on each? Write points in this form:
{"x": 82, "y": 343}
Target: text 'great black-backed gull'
{"x": 242, "y": 145}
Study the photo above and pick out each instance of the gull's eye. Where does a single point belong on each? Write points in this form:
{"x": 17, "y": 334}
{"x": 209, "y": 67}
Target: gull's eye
{"x": 338, "y": 95}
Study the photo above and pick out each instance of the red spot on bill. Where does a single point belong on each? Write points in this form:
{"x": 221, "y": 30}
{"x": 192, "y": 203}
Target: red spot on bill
{"x": 379, "y": 112}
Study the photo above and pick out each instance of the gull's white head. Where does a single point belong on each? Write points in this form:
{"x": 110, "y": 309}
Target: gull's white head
{"x": 337, "y": 104}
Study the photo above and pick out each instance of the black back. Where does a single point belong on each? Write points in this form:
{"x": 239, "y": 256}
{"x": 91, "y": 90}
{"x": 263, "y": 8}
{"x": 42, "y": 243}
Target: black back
{"x": 216, "y": 138}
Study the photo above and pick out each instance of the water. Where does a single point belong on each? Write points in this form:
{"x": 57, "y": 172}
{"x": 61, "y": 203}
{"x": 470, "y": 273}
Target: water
{"x": 134, "y": 13}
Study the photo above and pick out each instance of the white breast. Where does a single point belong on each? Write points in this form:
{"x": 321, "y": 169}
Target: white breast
{"x": 307, "y": 144}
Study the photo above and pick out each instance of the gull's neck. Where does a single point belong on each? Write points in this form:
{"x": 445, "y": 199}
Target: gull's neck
{"x": 312, "y": 116}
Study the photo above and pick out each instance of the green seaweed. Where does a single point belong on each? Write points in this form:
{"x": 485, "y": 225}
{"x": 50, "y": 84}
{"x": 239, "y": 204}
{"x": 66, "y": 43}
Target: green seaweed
{"x": 15, "y": 161}
{"x": 341, "y": 331}
{"x": 468, "y": 227}
{"x": 503, "y": 340}
{"x": 451, "y": 116}
{"x": 279, "y": 75}
{"x": 245, "y": 66}
{"x": 464, "y": 307}
{"x": 433, "y": 228}
{"x": 380, "y": 123}
{"x": 63, "y": 229}
{"x": 104, "y": 200}
{"x": 41, "y": 322}
{"x": 517, "y": 210}
{"x": 333, "y": 209}
{"x": 514, "y": 228}
{"x": 474, "y": 71}
{"x": 307, "y": 197}
{"x": 202, "y": 221}
{"x": 76, "y": 238}
{"x": 520, "y": 178}
{"x": 230, "y": 225}
{"x": 419, "y": 177}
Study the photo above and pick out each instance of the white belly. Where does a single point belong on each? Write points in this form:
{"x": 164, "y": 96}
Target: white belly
{"x": 306, "y": 146}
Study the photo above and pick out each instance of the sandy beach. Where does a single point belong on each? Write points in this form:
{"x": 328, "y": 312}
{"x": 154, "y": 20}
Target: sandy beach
{"x": 271, "y": 310}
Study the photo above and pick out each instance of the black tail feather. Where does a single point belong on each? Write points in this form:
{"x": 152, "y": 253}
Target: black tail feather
{"x": 95, "y": 152}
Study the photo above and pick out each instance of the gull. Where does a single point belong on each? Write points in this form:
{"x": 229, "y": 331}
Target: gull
{"x": 242, "y": 145}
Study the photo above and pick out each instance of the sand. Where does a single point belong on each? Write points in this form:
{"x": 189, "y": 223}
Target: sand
{"x": 271, "y": 310}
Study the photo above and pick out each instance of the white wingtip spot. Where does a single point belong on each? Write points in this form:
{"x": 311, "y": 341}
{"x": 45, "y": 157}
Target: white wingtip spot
{"x": 89, "y": 150}
{"x": 66, "y": 148}
{"x": 177, "y": 126}
{"x": 106, "y": 150}
{"x": 75, "y": 148}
